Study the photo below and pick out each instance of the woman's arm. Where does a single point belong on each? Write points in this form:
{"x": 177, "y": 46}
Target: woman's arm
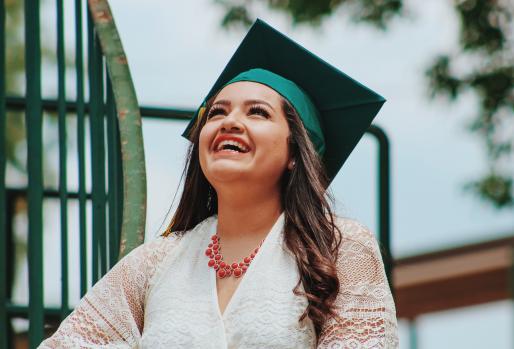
{"x": 366, "y": 312}
{"x": 111, "y": 314}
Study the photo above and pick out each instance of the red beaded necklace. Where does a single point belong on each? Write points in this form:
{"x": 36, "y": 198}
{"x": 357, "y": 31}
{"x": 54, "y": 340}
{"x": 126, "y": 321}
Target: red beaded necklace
{"x": 223, "y": 269}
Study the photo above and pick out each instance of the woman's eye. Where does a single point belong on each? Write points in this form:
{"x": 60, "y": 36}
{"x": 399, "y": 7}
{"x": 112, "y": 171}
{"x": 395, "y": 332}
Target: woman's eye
{"x": 215, "y": 111}
{"x": 259, "y": 111}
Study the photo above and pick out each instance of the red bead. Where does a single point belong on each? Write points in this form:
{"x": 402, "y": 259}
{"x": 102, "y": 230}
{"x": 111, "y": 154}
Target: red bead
{"x": 217, "y": 257}
{"x": 215, "y": 247}
{"x": 234, "y": 265}
{"x": 256, "y": 250}
{"x": 210, "y": 245}
{"x": 244, "y": 267}
{"x": 222, "y": 264}
{"x": 247, "y": 260}
{"x": 227, "y": 267}
{"x": 221, "y": 273}
{"x": 208, "y": 252}
{"x": 229, "y": 272}
{"x": 216, "y": 266}
{"x": 238, "y": 272}
{"x": 211, "y": 256}
{"x": 214, "y": 237}
{"x": 241, "y": 264}
{"x": 211, "y": 263}
{"x": 252, "y": 255}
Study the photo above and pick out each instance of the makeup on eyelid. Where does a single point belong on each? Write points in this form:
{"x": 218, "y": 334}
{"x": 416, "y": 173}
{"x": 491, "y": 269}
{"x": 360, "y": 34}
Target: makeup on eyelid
{"x": 255, "y": 109}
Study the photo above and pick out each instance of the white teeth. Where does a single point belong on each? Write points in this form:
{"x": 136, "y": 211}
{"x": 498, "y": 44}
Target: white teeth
{"x": 234, "y": 143}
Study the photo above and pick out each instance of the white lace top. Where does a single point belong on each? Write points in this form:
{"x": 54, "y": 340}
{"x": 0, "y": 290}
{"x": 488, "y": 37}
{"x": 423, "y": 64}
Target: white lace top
{"x": 163, "y": 295}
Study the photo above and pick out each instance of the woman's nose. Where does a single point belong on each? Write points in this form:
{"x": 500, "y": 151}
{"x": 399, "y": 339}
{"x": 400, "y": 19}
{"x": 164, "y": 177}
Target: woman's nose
{"x": 232, "y": 122}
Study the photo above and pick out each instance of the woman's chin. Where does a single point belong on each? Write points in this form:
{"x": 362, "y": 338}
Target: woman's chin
{"x": 225, "y": 171}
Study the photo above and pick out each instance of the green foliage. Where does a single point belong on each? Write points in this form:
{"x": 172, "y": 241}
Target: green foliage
{"x": 496, "y": 187}
{"x": 482, "y": 24}
{"x": 14, "y": 41}
{"x": 236, "y": 15}
{"x": 15, "y": 68}
{"x": 375, "y": 12}
{"x": 485, "y": 38}
{"x": 441, "y": 81}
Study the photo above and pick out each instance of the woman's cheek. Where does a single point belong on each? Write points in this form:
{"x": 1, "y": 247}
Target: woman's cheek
{"x": 203, "y": 147}
{"x": 206, "y": 135}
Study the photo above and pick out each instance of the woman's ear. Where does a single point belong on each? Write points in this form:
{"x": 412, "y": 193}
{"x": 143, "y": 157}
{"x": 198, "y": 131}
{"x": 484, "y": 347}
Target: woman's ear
{"x": 291, "y": 164}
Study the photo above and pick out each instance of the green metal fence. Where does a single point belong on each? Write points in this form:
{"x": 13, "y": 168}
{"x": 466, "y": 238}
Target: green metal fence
{"x": 94, "y": 109}
{"x": 106, "y": 193}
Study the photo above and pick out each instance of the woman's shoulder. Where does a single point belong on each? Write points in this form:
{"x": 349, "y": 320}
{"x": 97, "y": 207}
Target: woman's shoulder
{"x": 146, "y": 258}
{"x": 158, "y": 247}
{"x": 359, "y": 257}
{"x": 155, "y": 247}
{"x": 354, "y": 231}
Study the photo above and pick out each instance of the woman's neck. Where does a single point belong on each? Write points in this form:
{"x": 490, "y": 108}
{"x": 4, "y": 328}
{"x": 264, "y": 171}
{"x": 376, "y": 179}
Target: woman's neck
{"x": 249, "y": 214}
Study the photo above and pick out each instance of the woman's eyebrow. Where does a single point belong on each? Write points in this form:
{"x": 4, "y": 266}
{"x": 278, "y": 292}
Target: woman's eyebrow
{"x": 258, "y": 101}
{"x": 222, "y": 102}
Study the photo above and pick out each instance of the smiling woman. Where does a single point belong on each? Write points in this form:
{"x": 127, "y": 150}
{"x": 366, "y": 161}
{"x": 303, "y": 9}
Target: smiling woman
{"x": 254, "y": 256}
{"x": 247, "y": 114}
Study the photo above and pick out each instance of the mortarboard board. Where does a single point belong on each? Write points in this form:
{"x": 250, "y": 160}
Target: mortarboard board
{"x": 344, "y": 108}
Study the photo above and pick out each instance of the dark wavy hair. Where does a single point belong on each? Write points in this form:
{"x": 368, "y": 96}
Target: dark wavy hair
{"x": 310, "y": 231}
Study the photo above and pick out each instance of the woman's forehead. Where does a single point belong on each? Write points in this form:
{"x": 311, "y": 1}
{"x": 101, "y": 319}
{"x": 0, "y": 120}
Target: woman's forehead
{"x": 240, "y": 91}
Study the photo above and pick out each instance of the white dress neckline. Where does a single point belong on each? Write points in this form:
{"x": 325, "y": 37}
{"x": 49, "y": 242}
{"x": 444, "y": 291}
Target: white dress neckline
{"x": 272, "y": 235}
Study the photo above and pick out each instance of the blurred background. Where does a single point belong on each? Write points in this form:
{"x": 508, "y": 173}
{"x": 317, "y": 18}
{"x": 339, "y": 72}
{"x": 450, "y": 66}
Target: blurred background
{"x": 446, "y": 68}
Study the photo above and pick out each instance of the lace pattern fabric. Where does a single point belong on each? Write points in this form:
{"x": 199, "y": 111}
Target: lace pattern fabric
{"x": 111, "y": 314}
{"x": 159, "y": 295}
{"x": 366, "y": 311}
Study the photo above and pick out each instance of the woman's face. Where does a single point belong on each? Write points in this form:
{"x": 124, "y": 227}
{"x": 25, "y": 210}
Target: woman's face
{"x": 245, "y": 136}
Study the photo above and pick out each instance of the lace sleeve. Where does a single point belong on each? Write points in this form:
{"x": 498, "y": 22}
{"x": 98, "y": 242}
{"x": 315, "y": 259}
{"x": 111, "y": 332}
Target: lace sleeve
{"x": 111, "y": 314}
{"x": 366, "y": 312}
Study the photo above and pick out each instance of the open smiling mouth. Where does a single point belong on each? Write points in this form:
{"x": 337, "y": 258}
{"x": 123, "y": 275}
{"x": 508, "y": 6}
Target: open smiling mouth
{"x": 232, "y": 146}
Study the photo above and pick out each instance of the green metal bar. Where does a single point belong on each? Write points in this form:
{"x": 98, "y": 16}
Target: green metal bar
{"x": 413, "y": 334}
{"x": 102, "y": 189}
{"x": 384, "y": 200}
{"x": 510, "y": 282}
{"x": 131, "y": 135}
{"x": 96, "y": 120}
{"x": 93, "y": 109}
{"x": 119, "y": 190}
{"x": 113, "y": 175}
{"x": 19, "y": 103}
{"x": 10, "y": 259}
{"x": 47, "y": 193}
{"x": 81, "y": 147}
{"x": 34, "y": 127}
{"x": 21, "y": 310}
{"x": 61, "y": 93}
{"x": 3, "y": 198}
